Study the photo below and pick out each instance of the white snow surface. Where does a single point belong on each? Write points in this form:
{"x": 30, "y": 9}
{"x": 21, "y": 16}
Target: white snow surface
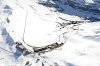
{"x": 81, "y": 47}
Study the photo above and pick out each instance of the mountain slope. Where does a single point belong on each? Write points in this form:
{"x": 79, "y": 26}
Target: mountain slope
{"x": 42, "y": 24}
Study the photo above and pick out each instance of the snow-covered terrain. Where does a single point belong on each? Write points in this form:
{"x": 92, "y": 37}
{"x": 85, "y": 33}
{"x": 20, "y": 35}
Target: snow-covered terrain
{"x": 39, "y": 23}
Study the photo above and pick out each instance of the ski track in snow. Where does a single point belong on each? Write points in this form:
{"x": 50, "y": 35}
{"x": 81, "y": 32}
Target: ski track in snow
{"x": 81, "y": 47}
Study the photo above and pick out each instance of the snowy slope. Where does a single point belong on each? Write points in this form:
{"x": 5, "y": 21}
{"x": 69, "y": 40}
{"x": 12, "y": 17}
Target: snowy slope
{"x": 43, "y": 27}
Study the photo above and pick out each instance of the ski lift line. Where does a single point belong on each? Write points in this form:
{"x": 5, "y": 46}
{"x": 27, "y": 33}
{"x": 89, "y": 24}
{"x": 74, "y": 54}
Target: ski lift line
{"x": 23, "y": 41}
{"x": 6, "y": 50}
{"x": 28, "y": 47}
{"x": 25, "y": 25}
{"x": 32, "y": 7}
{"x": 19, "y": 5}
{"x": 25, "y": 28}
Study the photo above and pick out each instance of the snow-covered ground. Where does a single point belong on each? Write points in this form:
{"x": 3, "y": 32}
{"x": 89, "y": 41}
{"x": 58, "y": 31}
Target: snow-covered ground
{"x": 42, "y": 27}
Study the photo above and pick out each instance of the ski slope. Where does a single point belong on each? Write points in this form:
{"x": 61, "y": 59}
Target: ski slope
{"x": 42, "y": 28}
